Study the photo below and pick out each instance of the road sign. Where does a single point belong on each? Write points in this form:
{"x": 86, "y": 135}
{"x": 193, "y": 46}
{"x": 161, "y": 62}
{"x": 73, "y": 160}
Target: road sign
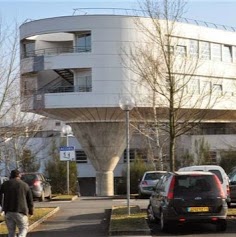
{"x": 67, "y": 153}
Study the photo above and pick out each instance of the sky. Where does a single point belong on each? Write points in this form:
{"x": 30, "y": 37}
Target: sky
{"x": 215, "y": 11}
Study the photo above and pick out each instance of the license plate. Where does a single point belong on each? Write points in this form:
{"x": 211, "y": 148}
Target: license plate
{"x": 198, "y": 209}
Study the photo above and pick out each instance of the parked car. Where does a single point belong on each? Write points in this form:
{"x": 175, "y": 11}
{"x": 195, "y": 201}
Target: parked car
{"x": 38, "y": 184}
{"x": 218, "y": 171}
{"x": 148, "y": 181}
{"x": 188, "y": 197}
{"x": 232, "y": 185}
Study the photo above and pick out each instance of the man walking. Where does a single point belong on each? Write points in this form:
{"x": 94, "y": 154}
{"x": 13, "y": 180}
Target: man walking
{"x": 17, "y": 202}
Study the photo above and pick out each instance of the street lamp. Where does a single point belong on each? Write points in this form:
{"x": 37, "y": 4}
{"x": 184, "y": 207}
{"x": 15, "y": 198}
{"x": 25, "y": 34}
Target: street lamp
{"x": 127, "y": 104}
{"x": 67, "y": 130}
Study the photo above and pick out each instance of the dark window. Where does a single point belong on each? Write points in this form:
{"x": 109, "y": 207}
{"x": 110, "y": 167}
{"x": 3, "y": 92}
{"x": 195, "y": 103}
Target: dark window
{"x": 81, "y": 157}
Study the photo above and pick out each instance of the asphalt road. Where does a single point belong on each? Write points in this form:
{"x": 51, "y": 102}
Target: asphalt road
{"x": 89, "y": 217}
{"x": 83, "y": 217}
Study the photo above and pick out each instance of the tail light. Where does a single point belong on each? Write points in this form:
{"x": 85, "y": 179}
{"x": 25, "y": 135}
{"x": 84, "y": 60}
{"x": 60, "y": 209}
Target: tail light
{"x": 170, "y": 194}
{"x": 144, "y": 183}
{"x": 222, "y": 194}
{"x": 228, "y": 190}
{"x": 36, "y": 183}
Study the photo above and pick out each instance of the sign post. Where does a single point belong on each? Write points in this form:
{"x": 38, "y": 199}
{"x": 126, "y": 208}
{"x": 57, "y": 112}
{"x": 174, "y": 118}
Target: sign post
{"x": 67, "y": 153}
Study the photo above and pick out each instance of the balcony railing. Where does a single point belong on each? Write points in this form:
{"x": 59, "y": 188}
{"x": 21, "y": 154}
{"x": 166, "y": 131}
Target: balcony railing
{"x": 55, "y": 51}
{"x": 65, "y": 89}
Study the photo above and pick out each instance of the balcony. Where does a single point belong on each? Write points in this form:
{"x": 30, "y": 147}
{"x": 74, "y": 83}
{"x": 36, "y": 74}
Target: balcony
{"x": 55, "y": 51}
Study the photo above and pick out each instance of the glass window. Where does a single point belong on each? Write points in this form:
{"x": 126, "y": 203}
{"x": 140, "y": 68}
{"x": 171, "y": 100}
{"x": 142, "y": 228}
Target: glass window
{"x": 216, "y": 52}
{"x": 83, "y": 42}
{"x": 193, "y": 48}
{"x": 227, "y": 53}
{"x": 29, "y": 49}
{"x": 193, "y": 86}
{"x": 205, "y": 50}
{"x": 181, "y": 50}
{"x": 81, "y": 157}
{"x": 217, "y": 89}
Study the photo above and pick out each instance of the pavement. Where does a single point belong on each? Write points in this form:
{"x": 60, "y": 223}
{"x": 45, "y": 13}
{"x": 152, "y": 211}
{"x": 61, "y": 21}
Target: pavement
{"x": 82, "y": 217}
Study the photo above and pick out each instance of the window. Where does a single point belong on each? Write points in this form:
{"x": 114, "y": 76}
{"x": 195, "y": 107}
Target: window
{"x": 205, "y": 87}
{"x": 81, "y": 157}
{"x": 227, "y": 53}
{"x": 193, "y": 86}
{"x": 216, "y": 52}
{"x": 85, "y": 83}
{"x": 57, "y": 124}
{"x": 181, "y": 50}
{"x": 205, "y": 50}
{"x": 29, "y": 49}
{"x": 83, "y": 42}
{"x": 193, "y": 48}
{"x": 217, "y": 89}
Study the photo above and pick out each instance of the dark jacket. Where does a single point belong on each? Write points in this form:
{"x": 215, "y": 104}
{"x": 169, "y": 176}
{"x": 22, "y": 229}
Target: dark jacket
{"x": 16, "y": 196}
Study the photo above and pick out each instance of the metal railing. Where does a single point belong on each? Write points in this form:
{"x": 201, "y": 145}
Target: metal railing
{"x": 65, "y": 89}
{"x": 55, "y": 51}
{"x": 142, "y": 13}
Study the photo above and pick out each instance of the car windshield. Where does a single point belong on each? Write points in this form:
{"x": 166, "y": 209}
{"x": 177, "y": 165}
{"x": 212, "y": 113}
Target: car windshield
{"x": 152, "y": 176}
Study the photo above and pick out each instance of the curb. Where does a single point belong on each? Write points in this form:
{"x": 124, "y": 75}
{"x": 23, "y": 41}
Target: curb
{"x": 64, "y": 199}
{"x": 35, "y": 224}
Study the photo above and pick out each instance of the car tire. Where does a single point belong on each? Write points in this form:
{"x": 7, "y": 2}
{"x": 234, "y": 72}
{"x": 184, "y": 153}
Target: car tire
{"x": 150, "y": 214}
{"x": 221, "y": 225}
{"x": 42, "y": 198}
{"x": 50, "y": 196}
{"x": 163, "y": 222}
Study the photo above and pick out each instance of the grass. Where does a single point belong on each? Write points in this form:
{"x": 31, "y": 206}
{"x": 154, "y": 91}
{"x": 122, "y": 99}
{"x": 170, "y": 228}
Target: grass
{"x": 38, "y": 214}
{"x": 121, "y": 221}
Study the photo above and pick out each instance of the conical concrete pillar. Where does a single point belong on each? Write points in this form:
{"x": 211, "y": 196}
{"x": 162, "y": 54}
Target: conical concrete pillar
{"x": 103, "y": 143}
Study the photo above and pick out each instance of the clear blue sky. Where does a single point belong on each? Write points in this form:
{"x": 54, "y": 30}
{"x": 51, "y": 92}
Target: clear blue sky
{"x": 215, "y": 11}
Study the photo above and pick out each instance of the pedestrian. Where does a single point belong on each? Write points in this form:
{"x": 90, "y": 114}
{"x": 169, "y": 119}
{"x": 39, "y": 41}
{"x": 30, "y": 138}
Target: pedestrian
{"x": 17, "y": 202}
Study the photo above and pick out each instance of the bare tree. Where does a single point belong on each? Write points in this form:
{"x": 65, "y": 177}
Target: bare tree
{"x": 169, "y": 74}
{"x": 16, "y": 127}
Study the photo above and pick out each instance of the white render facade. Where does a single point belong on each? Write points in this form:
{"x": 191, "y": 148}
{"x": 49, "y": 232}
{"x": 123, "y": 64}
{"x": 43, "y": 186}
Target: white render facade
{"x": 72, "y": 69}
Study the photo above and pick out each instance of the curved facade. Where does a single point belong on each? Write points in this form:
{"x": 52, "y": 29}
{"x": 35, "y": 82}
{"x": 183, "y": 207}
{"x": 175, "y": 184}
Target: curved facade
{"x": 74, "y": 69}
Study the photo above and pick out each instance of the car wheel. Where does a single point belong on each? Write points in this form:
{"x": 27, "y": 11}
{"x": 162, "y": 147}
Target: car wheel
{"x": 221, "y": 225}
{"x": 150, "y": 214}
{"x": 164, "y": 224}
{"x": 42, "y": 198}
{"x": 50, "y": 196}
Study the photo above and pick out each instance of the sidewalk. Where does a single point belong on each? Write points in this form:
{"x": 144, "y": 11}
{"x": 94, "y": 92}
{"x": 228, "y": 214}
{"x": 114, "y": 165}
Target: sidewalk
{"x": 83, "y": 217}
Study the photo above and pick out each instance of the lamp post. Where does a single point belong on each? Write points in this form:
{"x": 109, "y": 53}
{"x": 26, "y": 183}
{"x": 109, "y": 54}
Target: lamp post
{"x": 127, "y": 105}
{"x": 67, "y": 131}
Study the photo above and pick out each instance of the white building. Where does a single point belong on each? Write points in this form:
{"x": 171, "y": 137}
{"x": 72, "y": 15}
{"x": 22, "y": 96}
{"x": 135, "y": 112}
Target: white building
{"x": 72, "y": 70}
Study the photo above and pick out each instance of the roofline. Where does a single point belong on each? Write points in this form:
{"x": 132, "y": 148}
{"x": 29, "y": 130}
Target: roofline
{"x": 140, "y": 13}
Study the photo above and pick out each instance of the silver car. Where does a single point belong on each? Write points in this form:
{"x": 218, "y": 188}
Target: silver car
{"x": 148, "y": 182}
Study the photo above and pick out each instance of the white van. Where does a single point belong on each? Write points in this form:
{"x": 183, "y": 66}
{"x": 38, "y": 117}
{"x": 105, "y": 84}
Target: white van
{"x": 218, "y": 171}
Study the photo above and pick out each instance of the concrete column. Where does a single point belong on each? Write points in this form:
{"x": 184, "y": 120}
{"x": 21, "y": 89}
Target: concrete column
{"x": 103, "y": 143}
{"x": 105, "y": 183}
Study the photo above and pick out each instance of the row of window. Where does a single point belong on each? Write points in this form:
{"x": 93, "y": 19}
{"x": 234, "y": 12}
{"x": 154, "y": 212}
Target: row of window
{"x": 205, "y": 50}
{"x": 81, "y": 157}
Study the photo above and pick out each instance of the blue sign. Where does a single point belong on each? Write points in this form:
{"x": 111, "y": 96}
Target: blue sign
{"x": 67, "y": 153}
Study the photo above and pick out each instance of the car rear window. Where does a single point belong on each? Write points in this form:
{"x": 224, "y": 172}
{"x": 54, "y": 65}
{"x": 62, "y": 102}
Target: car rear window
{"x": 218, "y": 174}
{"x": 152, "y": 176}
{"x": 28, "y": 178}
{"x": 195, "y": 184}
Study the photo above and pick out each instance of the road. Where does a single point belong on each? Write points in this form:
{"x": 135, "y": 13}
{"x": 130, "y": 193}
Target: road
{"x": 89, "y": 217}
